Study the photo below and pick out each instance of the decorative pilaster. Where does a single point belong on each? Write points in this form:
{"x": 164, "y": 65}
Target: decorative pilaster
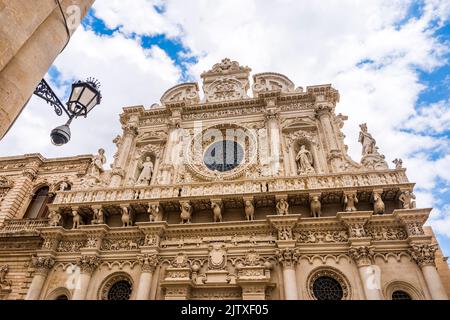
{"x": 424, "y": 255}
{"x": 273, "y": 129}
{"x": 42, "y": 266}
{"x": 323, "y": 113}
{"x": 126, "y": 142}
{"x": 148, "y": 263}
{"x": 87, "y": 265}
{"x": 368, "y": 272}
{"x": 288, "y": 258}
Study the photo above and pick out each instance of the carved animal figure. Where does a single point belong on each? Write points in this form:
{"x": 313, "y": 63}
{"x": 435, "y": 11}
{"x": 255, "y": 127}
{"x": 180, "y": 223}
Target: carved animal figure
{"x": 115, "y": 246}
{"x": 154, "y": 213}
{"x": 126, "y": 217}
{"x": 217, "y": 211}
{"x": 316, "y": 207}
{"x": 77, "y": 220}
{"x": 132, "y": 245}
{"x": 378, "y": 204}
{"x": 186, "y": 212}
{"x": 249, "y": 210}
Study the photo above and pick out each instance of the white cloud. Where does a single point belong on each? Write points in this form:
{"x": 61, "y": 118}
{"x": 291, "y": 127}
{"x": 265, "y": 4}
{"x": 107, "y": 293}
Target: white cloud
{"x": 129, "y": 75}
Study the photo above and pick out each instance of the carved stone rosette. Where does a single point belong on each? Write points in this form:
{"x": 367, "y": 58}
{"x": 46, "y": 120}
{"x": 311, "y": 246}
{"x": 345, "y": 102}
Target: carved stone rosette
{"x": 287, "y": 257}
{"x": 363, "y": 256}
{"x": 42, "y": 265}
{"x": 148, "y": 262}
{"x": 88, "y": 264}
{"x": 423, "y": 254}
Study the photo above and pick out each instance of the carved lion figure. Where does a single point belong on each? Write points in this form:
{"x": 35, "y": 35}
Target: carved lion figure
{"x": 77, "y": 220}
{"x": 316, "y": 207}
{"x": 186, "y": 212}
{"x": 249, "y": 210}
{"x": 126, "y": 217}
{"x": 217, "y": 211}
{"x": 378, "y": 204}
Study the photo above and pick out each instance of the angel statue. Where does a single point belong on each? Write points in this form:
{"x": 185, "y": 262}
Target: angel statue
{"x": 368, "y": 142}
{"x": 146, "y": 173}
{"x": 97, "y": 164}
{"x": 304, "y": 160}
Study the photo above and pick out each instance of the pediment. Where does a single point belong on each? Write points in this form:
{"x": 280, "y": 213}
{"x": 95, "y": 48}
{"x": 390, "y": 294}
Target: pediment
{"x": 187, "y": 92}
{"x": 270, "y": 81}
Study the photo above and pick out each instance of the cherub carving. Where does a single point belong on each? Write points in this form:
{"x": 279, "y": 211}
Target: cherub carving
{"x": 282, "y": 207}
{"x": 55, "y": 218}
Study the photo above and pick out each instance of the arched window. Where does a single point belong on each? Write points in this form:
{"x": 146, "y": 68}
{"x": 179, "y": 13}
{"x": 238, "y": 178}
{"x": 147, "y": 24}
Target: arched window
{"x": 121, "y": 290}
{"x": 327, "y": 288}
{"x": 37, "y": 209}
{"x": 328, "y": 284}
{"x": 400, "y": 295}
{"x": 62, "y": 297}
{"x": 118, "y": 286}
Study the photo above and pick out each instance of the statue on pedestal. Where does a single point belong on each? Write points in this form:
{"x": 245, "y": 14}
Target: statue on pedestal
{"x": 367, "y": 141}
{"x": 97, "y": 164}
{"x": 146, "y": 173}
{"x": 305, "y": 161}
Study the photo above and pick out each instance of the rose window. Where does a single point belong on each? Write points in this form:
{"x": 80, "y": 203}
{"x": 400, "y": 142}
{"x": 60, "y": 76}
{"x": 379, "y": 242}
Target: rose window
{"x": 327, "y": 288}
{"x": 223, "y": 156}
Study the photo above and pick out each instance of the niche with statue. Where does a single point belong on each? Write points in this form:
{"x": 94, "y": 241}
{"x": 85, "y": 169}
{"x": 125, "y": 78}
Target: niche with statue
{"x": 145, "y": 169}
{"x": 305, "y": 159}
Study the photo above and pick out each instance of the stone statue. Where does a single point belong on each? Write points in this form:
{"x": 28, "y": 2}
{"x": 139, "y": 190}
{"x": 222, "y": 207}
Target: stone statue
{"x": 146, "y": 173}
{"x": 186, "y": 212}
{"x": 126, "y": 217}
{"x": 97, "y": 164}
{"x": 249, "y": 210}
{"x": 98, "y": 216}
{"x": 305, "y": 161}
{"x": 217, "y": 211}
{"x": 154, "y": 212}
{"x": 282, "y": 207}
{"x": 118, "y": 142}
{"x": 367, "y": 141}
{"x": 398, "y": 163}
{"x": 316, "y": 207}
{"x": 4, "y": 284}
{"x": 407, "y": 200}
{"x": 77, "y": 220}
{"x": 350, "y": 202}
{"x": 378, "y": 204}
{"x": 55, "y": 218}
{"x": 64, "y": 186}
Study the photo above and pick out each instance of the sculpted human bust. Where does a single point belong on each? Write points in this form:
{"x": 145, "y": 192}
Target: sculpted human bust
{"x": 305, "y": 161}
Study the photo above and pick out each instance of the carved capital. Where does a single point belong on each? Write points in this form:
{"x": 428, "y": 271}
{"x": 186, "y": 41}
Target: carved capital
{"x": 423, "y": 254}
{"x": 323, "y": 110}
{"x": 30, "y": 173}
{"x": 148, "y": 262}
{"x": 88, "y": 264}
{"x": 42, "y": 265}
{"x": 363, "y": 256}
{"x": 287, "y": 257}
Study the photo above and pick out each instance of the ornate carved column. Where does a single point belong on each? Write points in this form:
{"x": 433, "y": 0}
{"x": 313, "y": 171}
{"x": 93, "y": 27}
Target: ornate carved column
{"x": 288, "y": 258}
{"x": 273, "y": 129}
{"x": 424, "y": 255}
{"x": 118, "y": 171}
{"x": 87, "y": 265}
{"x": 148, "y": 264}
{"x": 42, "y": 267}
{"x": 362, "y": 252}
{"x": 369, "y": 274}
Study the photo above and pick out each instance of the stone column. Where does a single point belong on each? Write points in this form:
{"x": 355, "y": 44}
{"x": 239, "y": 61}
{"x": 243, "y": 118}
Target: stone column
{"x": 424, "y": 255}
{"x": 323, "y": 113}
{"x": 28, "y": 65}
{"x": 42, "y": 267}
{"x": 87, "y": 265}
{"x": 368, "y": 272}
{"x": 273, "y": 130}
{"x": 148, "y": 264}
{"x": 288, "y": 258}
{"x": 129, "y": 133}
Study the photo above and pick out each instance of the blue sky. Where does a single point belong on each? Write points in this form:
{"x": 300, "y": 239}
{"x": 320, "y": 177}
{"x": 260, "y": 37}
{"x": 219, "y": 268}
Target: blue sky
{"x": 388, "y": 59}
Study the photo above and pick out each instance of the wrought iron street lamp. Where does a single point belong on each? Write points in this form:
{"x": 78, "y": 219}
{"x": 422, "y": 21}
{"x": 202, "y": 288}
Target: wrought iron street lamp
{"x": 83, "y": 98}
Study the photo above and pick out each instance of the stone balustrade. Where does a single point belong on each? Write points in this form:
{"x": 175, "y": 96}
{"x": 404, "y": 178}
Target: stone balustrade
{"x": 23, "y": 225}
{"x": 246, "y": 186}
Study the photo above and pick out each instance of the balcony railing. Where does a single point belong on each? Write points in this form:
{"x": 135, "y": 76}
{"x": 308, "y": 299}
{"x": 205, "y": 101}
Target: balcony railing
{"x": 248, "y": 186}
{"x": 23, "y": 225}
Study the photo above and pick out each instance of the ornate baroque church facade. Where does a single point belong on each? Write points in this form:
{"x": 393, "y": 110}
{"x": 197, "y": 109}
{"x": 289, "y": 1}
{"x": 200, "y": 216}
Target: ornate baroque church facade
{"x": 224, "y": 196}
